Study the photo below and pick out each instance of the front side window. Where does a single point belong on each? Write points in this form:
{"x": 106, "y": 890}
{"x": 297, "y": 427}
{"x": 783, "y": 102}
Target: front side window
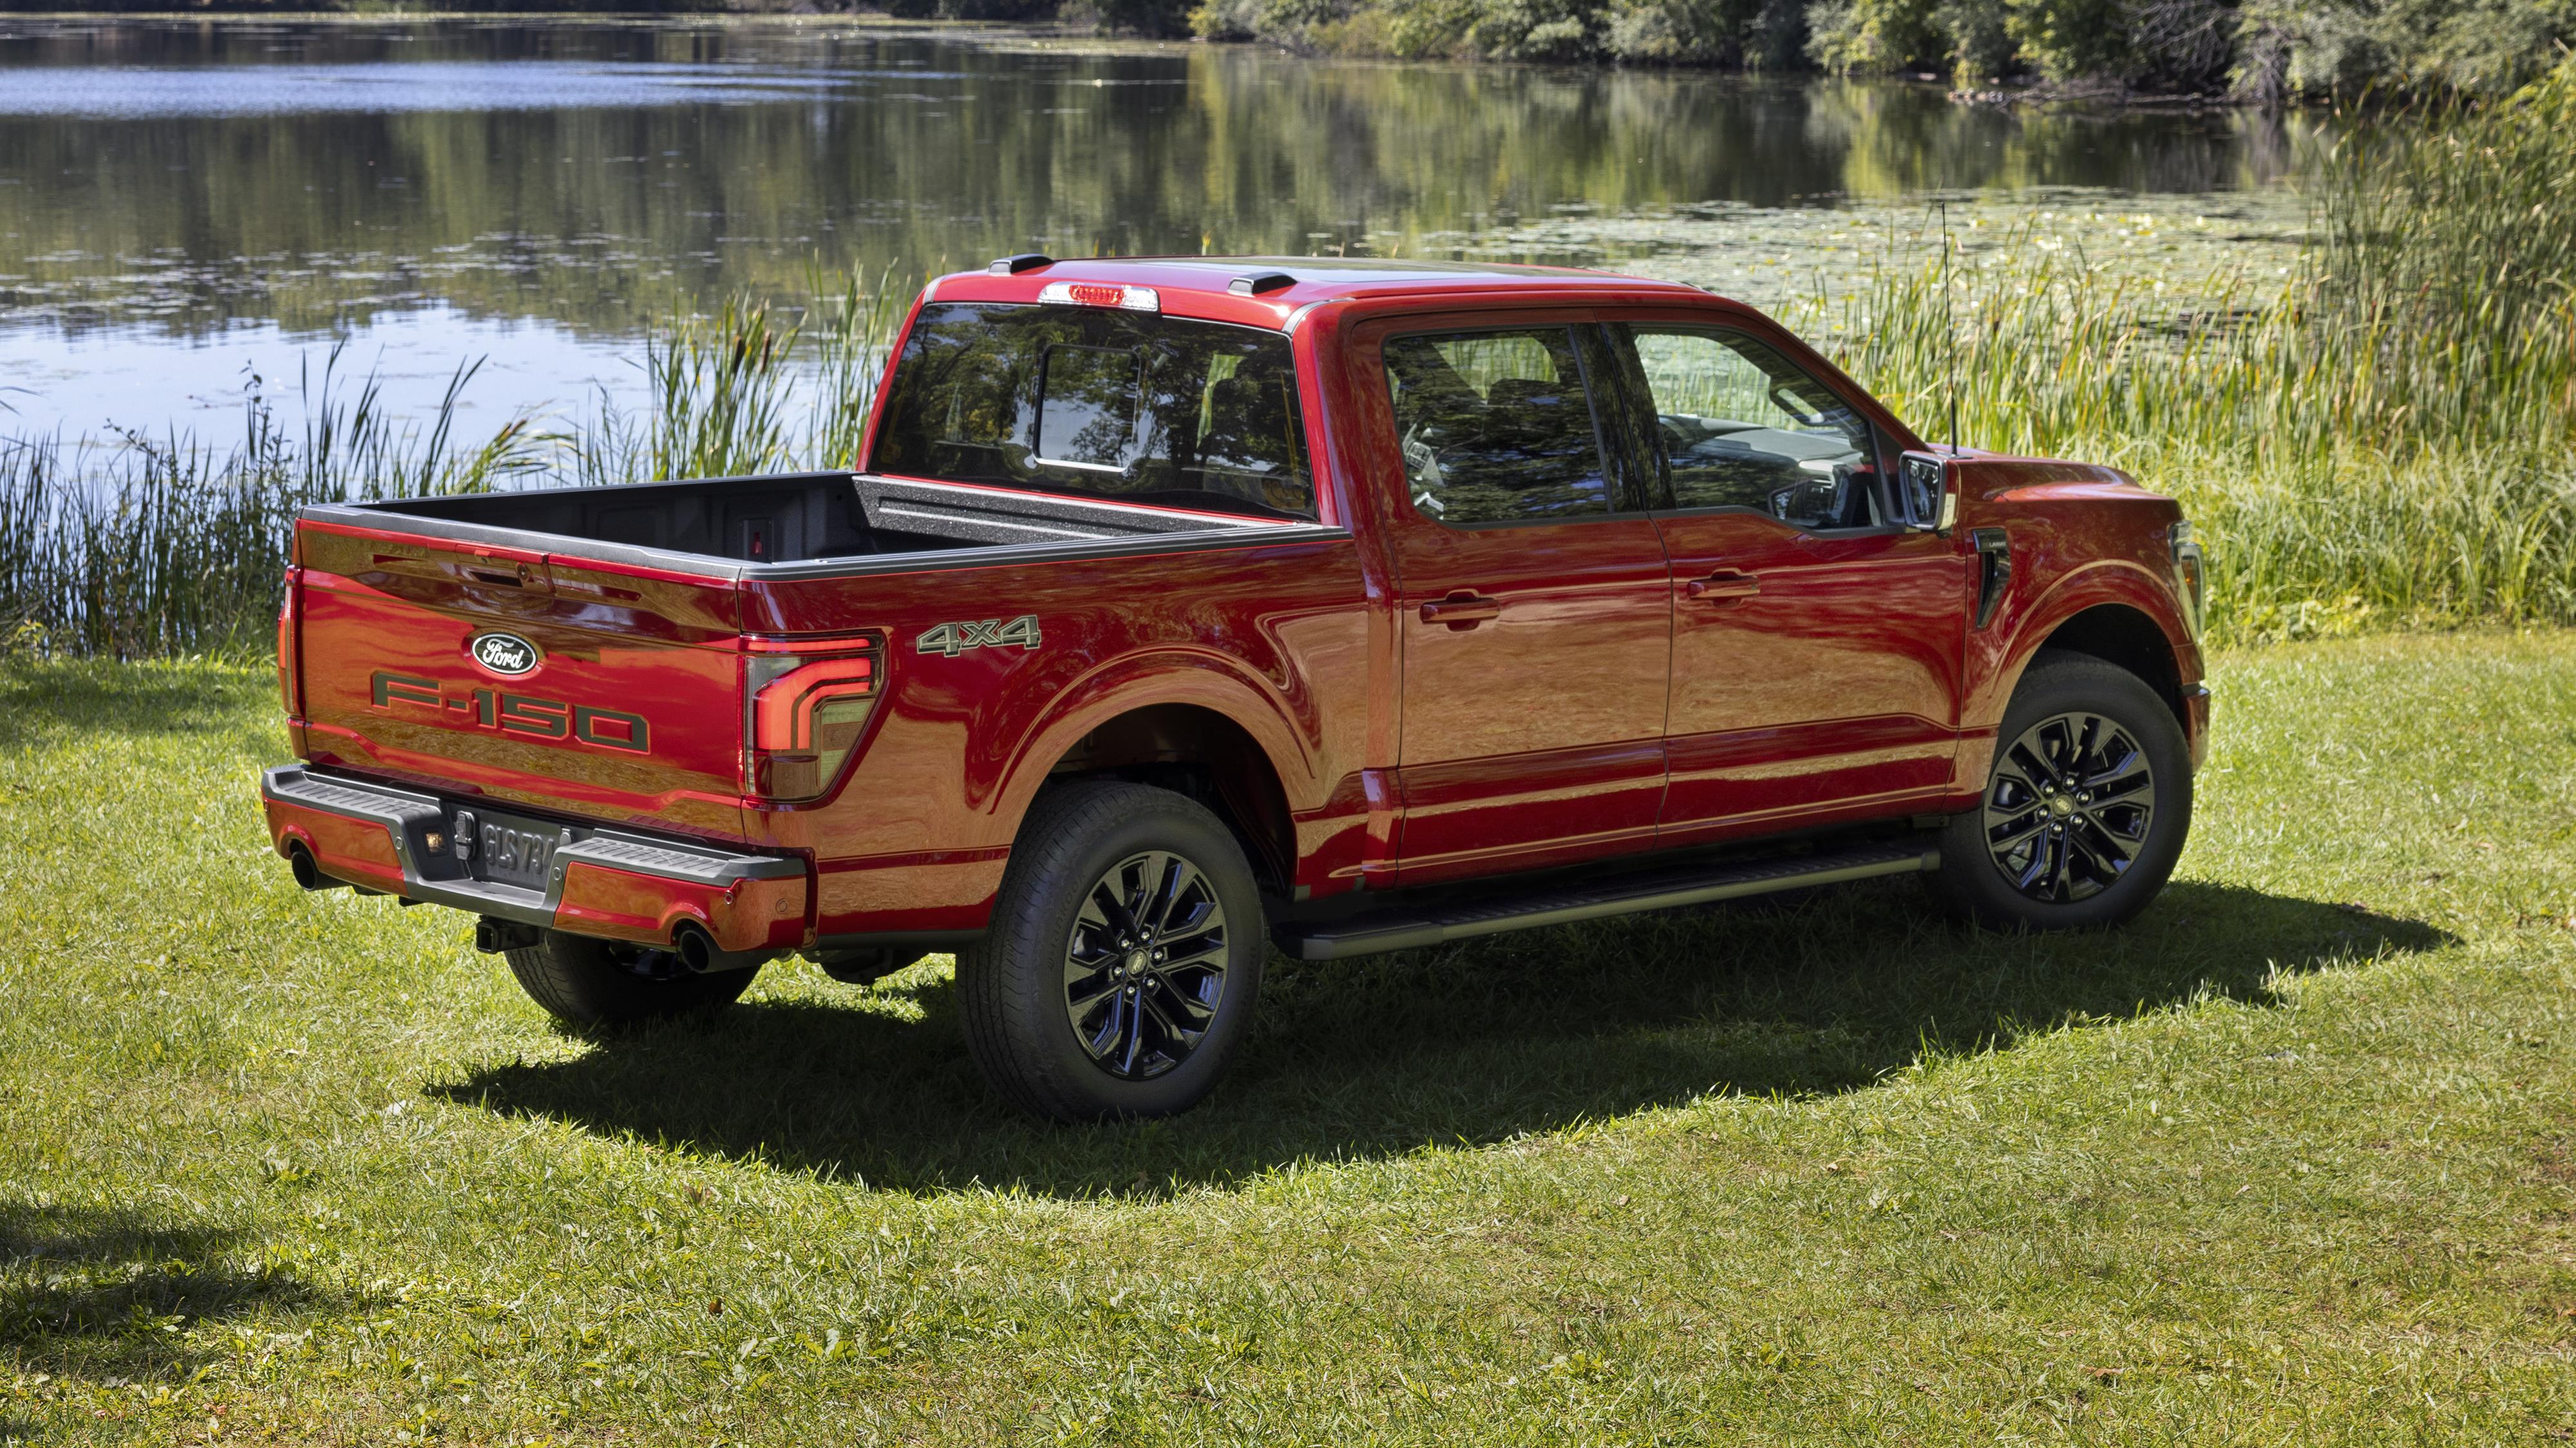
{"x": 1086, "y": 400}
{"x": 1496, "y": 427}
{"x": 1740, "y": 426}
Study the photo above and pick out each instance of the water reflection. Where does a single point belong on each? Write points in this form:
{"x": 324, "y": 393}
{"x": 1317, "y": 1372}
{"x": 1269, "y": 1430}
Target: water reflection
{"x": 173, "y": 180}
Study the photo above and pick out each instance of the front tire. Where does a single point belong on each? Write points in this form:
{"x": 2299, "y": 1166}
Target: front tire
{"x": 585, "y": 982}
{"x": 2085, "y": 809}
{"x": 1124, "y": 956}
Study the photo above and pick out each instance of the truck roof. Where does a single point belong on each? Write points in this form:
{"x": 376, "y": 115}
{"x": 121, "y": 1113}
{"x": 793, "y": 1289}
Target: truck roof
{"x": 1268, "y": 290}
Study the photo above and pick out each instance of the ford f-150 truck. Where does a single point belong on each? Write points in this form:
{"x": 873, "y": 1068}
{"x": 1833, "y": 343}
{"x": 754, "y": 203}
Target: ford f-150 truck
{"x": 1183, "y": 608}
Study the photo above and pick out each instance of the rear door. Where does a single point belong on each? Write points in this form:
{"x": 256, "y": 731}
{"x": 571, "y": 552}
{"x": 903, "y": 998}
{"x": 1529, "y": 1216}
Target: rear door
{"x": 1534, "y": 605}
{"x": 605, "y": 691}
{"x": 1817, "y": 641}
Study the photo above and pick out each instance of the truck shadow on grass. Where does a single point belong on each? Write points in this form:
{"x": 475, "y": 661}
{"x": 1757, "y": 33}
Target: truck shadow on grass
{"x": 107, "y": 1294}
{"x": 1469, "y": 1044}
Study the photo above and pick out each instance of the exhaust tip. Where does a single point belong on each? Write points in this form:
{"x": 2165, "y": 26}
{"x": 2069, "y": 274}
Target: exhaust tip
{"x": 697, "y": 948}
{"x": 307, "y": 873}
{"x": 699, "y": 952}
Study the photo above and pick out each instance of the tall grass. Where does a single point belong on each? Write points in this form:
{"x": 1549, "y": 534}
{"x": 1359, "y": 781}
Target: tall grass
{"x": 143, "y": 546}
{"x": 748, "y": 390}
{"x": 2387, "y": 435}
{"x": 138, "y": 546}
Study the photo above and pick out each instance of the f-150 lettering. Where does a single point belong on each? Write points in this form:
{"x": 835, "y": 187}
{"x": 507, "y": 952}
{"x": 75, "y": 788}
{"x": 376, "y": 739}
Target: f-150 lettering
{"x": 519, "y": 713}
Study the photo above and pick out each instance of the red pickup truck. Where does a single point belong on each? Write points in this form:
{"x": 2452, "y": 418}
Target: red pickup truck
{"x": 1182, "y": 608}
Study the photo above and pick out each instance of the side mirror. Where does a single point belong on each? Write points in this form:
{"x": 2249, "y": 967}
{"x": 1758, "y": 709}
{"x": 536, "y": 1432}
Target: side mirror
{"x": 1924, "y": 493}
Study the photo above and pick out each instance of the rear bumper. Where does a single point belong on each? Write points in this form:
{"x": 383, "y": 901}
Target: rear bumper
{"x": 609, "y": 883}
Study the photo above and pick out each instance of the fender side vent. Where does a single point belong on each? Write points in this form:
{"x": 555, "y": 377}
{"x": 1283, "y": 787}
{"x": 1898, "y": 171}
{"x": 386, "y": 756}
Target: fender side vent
{"x": 1994, "y": 570}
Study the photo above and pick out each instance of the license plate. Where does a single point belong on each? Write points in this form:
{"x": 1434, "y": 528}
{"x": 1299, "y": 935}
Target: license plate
{"x": 515, "y": 851}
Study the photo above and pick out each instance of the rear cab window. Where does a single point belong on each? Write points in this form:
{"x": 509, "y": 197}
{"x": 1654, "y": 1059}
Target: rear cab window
{"x": 1497, "y": 426}
{"x": 1100, "y": 403}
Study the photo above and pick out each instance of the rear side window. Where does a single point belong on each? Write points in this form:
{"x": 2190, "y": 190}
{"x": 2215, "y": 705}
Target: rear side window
{"x": 1496, "y": 427}
{"x": 1101, "y": 403}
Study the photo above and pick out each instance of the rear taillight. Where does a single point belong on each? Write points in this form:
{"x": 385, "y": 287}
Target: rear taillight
{"x": 290, "y": 680}
{"x": 2188, "y": 567}
{"x": 803, "y": 712}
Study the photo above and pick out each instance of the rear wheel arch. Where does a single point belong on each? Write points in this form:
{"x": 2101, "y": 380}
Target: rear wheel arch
{"x": 1202, "y": 753}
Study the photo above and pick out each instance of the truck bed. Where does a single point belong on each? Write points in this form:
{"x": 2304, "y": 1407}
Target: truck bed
{"x": 637, "y": 607}
{"x": 839, "y": 521}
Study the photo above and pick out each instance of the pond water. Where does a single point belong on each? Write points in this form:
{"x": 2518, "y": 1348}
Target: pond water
{"x": 187, "y": 205}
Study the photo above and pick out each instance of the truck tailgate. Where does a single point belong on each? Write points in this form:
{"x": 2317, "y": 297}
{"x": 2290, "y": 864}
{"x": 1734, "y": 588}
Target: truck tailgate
{"x": 604, "y": 691}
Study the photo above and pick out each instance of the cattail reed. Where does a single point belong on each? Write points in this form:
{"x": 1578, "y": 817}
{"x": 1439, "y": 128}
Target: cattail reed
{"x": 137, "y": 546}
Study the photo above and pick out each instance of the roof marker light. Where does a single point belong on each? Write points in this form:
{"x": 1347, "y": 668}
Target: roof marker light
{"x": 1102, "y": 294}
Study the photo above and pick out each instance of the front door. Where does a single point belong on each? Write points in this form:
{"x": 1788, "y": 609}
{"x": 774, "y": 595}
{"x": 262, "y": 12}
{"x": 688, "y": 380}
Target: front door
{"x": 1535, "y": 608}
{"x": 1817, "y": 642}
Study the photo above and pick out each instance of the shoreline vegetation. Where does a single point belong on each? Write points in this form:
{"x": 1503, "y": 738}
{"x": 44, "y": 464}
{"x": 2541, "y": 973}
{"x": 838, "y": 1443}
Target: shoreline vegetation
{"x": 2262, "y": 52}
{"x": 2383, "y": 437}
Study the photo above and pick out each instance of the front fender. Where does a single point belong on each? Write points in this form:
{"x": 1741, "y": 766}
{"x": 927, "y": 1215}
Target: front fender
{"x": 1998, "y": 654}
{"x": 2001, "y": 653}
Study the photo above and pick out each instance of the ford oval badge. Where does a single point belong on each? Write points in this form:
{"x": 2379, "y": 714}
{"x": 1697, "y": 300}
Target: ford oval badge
{"x": 503, "y": 653}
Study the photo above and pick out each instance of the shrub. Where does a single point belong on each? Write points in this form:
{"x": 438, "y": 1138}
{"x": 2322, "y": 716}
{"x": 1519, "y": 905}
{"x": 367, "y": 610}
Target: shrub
{"x": 2285, "y": 48}
{"x": 1877, "y": 35}
{"x": 1135, "y": 17}
{"x": 1971, "y": 39}
{"x": 1226, "y": 20}
{"x": 1752, "y": 34}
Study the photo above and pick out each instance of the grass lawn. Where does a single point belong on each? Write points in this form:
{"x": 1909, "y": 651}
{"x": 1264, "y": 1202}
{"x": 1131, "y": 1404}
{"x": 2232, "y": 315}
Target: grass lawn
{"x": 2291, "y": 1160}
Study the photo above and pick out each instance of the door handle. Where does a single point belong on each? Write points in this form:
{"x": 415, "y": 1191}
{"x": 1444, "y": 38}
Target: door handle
{"x": 1462, "y": 610}
{"x": 1723, "y": 586}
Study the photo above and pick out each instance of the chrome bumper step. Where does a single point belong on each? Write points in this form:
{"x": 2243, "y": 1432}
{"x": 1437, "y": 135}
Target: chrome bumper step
{"x": 438, "y": 877}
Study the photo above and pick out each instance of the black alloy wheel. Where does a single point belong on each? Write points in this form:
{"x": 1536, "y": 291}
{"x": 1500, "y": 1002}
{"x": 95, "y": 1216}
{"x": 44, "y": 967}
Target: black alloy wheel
{"x": 2086, "y": 807}
{"x": 1122, "y": 966}
{"x": 1144, "y": 966}
{"x": 2072, "y": 802}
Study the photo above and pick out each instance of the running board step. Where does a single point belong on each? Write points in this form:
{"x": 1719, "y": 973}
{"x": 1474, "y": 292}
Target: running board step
{"x": 1402, "y": 929}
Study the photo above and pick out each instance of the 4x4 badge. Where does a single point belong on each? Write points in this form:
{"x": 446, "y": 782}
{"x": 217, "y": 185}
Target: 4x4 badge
{"x": 503, "y": 653}
{"x": 952, "y": 639}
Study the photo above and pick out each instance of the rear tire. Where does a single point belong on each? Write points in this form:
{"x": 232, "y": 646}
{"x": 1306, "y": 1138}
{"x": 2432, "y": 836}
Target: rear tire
{"x": 1124, "y": 956}
{"x": 586, "y": 982}
{"x": 2085, "y": 809}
